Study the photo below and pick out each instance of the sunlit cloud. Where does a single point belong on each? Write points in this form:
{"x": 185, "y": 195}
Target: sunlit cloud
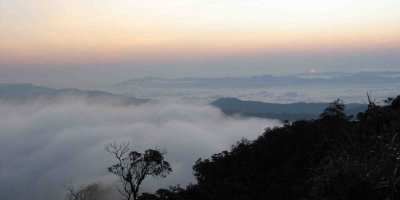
{"x": 312, "y": 71}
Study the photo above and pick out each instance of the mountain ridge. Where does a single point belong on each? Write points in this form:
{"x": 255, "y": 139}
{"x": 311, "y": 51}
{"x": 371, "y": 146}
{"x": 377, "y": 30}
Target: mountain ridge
{"x": 266, "y": 80}
{"x": 291, "y": 111}
{"x": 21, "y": 93}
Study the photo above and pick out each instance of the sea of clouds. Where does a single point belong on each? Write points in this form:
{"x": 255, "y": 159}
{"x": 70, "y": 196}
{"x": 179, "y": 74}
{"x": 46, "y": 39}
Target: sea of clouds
{"x": 272, "y": 94}
{"x": 46, "y": 146}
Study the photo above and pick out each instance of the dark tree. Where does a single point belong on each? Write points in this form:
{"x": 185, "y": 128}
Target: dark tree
{"x": 334, "y": 110}
{"x": 133, "y": 167}
{"x": 333, "y": 157}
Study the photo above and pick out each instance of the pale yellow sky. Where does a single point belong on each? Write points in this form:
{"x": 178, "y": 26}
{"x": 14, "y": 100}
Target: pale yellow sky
{"x": 106, "y": 31}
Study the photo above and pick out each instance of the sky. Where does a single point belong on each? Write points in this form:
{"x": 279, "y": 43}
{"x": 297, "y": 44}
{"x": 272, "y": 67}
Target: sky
{"x": 121, "y": 39}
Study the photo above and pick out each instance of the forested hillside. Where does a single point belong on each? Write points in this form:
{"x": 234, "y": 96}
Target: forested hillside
{"x": 332, "y": 157}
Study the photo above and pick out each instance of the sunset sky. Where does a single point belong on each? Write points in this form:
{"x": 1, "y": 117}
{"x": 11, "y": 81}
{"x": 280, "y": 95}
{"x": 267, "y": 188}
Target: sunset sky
{"x": 201, "y": 35}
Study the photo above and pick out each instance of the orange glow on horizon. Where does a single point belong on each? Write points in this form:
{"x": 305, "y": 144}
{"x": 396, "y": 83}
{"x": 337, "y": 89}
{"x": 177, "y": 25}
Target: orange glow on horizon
{"x": 104, "y": 31}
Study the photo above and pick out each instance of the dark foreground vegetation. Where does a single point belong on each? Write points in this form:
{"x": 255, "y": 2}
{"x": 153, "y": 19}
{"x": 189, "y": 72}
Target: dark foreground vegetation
{"x": 332, "y": 157}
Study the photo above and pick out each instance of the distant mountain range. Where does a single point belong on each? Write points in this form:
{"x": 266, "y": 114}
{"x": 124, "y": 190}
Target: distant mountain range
{"x": 20, "y": 93}
{"x": 267, "y": 80}
{"x": 291, "y": 112}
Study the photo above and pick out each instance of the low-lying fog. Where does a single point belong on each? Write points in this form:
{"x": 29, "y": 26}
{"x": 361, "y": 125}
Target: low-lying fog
{"x": 47, "y": 146}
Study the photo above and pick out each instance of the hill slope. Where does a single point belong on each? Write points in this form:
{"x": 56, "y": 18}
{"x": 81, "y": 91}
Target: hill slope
{"x": 331, "y": 157}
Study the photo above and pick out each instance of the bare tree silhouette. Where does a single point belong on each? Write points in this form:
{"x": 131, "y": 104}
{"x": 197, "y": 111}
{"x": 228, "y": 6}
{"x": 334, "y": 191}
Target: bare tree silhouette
{"x": 133, "y": 167}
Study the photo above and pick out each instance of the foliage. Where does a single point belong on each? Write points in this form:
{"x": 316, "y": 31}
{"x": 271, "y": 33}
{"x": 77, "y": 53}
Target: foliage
{"x": 333, "y": 157}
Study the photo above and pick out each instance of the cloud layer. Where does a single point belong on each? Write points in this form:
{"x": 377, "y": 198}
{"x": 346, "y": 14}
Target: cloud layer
{"x": 45, "y": 147}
